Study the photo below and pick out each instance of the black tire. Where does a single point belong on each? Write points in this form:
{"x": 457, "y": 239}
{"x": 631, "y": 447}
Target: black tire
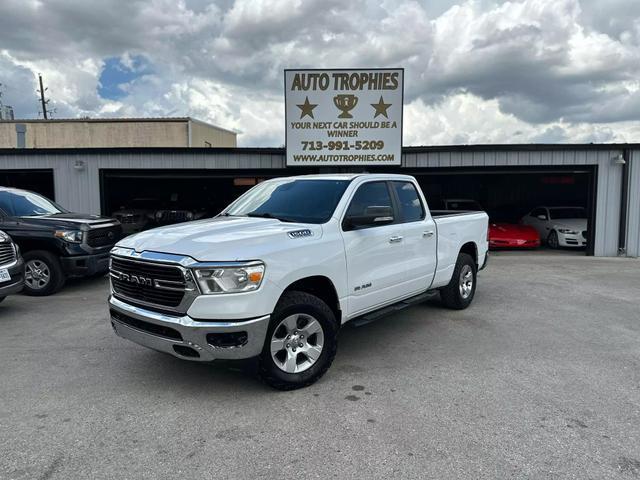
{"x": 552, "y": 240}
{"x": 2, "y": 299}
{"x": 302, "y": 303}
{"x": 451, "y": 295}
{"x": 56, "y": 274}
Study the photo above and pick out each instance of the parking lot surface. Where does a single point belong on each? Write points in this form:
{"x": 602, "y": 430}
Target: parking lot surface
{"x": 539, "y": 378}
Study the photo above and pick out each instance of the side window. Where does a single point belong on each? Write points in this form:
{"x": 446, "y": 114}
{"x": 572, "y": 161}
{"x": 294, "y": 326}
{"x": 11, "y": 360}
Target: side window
{"x": 410, "y": 204}
{"x": 372, "y": 194}
{"x": 5, "y": 203}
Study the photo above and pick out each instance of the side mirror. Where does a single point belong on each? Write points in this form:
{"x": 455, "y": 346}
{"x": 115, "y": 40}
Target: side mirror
{"x": 372, "y": 216}
{"x": 542, "y": 217}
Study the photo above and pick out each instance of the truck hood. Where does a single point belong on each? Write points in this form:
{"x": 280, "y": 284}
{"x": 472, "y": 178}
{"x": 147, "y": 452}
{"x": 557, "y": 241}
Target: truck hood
{"x": 67, "y": 220}
{"x": 221, "y": 238}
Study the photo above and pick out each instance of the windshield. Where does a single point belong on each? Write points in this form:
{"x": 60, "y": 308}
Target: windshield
{"x": 27, "y": 204}
{"x": 305, "y": 201}
{"x": 574, "y": 212}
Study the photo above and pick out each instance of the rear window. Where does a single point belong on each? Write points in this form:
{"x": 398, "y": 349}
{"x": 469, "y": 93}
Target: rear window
{"x": 410, "y": 204}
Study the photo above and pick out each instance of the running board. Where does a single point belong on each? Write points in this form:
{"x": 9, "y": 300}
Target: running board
{"x": 383, "y": 312}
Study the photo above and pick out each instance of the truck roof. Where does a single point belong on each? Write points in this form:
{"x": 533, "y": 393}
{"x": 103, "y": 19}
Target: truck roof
{"x": 351, "y": 176}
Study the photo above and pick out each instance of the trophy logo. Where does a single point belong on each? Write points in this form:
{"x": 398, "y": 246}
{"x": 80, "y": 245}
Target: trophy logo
{"x": 346, "y": 103}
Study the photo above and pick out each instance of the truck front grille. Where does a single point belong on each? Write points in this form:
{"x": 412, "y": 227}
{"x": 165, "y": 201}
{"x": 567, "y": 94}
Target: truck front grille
{"x": 102, "y": 237}
{"x": 7, "y": 253}
{"x": 147, "y": 282}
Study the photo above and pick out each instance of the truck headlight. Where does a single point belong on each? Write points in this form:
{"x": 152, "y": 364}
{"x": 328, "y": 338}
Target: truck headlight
{"x": 567, "y": 231}
{"x": 71, "y": 236}
{"x": 236, "y": 279}
{"x": 4, "y": 237}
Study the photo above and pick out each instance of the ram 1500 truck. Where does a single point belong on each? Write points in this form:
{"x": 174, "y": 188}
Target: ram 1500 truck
{"x": 277, "y": 273}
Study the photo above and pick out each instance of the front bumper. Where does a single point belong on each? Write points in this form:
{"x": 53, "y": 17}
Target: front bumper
{"x": 186, "y": 338}
{"x": 571, "y": 240}
{"x": 83, "y": 265}
{"x": 16, "y": 272}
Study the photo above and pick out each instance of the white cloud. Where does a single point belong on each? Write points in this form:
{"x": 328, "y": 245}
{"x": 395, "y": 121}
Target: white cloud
{"x": 477, "y": 71}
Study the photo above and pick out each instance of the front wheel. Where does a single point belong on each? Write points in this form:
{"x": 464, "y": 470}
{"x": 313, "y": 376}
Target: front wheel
{"x": 552, "y": 240}
{"x": 43, "y": 274}
{"x": 462, "y": 287}
{"x": 301, "y": 342}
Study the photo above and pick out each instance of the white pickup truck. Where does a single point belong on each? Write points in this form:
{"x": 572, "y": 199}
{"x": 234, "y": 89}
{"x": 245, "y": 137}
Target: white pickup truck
{"x": 277, "y": 273}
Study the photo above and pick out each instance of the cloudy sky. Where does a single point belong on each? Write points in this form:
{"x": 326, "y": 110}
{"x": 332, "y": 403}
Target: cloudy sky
{"x": 477, "y": 71}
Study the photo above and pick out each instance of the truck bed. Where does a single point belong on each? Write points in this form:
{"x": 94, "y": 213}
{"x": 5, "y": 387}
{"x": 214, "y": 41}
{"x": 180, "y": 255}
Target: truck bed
{"x": 451, "y": 213}
{"x": 455, "y": 229}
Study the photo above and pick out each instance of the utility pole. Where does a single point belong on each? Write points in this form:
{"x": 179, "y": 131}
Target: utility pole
{"x": 44, "y": 102}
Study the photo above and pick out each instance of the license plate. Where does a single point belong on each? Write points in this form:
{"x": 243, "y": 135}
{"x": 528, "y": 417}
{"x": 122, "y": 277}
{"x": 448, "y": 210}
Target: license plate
{"x": 4, "y": 275}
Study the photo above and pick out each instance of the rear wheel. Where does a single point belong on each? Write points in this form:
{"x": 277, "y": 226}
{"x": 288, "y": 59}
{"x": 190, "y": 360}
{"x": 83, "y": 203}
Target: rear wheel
{"x": 462, "y": 287}
{"x": 43, "y": 273}
{"x": 301, "y": 342}
{"x": 552, "y": 239}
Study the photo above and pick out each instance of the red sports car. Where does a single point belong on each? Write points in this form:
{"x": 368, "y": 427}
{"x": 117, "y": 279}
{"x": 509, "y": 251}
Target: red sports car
{"x": 509, "y": 235}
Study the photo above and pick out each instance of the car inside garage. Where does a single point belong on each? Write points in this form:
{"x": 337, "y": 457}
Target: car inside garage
{"x": 510, "y": 194}
{"x": 143, "y": 199}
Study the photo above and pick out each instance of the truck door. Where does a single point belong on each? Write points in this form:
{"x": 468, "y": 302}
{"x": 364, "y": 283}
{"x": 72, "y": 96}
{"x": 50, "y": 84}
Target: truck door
{"x": 374, "y": 252}
{"x": 420, "y": 238}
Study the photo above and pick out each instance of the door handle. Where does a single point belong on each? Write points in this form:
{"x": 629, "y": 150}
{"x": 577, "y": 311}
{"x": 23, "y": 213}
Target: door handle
{"x": 427, "y": 233}
{"x": 395, "y": 239}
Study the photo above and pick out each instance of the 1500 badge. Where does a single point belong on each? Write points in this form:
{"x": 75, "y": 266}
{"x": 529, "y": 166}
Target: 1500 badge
{"x": 301, "y": 233}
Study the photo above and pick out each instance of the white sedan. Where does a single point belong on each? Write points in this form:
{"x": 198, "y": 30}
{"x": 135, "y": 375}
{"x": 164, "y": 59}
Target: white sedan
{"x": 559, "y": 226}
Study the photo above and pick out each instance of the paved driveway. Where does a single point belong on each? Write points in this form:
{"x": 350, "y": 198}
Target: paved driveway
{"x": 540, "y": 378}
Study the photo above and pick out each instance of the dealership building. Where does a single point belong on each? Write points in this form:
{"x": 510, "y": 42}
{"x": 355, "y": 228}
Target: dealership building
{"x": 507, "y": 180}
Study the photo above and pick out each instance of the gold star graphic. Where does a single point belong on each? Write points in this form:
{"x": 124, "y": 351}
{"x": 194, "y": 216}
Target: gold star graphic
{"x": 381, "y": 108}
{"x": 307, "y": 108}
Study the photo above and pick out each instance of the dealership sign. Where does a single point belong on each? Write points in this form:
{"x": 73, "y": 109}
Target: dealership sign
{"x": 344, "y": 117}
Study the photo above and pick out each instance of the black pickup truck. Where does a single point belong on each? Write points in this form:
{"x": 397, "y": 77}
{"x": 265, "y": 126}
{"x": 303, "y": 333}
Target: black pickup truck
{"x": 55, "y": 243}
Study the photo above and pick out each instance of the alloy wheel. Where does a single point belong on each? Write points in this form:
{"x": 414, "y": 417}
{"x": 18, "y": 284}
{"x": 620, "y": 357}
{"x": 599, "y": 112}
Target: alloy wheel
{"x": 466, "y": 281}
{"x": 296, "y": 343}
{"x": 37, "y": 274}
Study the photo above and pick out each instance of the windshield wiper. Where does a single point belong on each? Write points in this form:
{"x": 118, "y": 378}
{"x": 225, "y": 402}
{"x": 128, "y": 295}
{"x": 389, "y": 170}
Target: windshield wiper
{"x": 268, "y": 215}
